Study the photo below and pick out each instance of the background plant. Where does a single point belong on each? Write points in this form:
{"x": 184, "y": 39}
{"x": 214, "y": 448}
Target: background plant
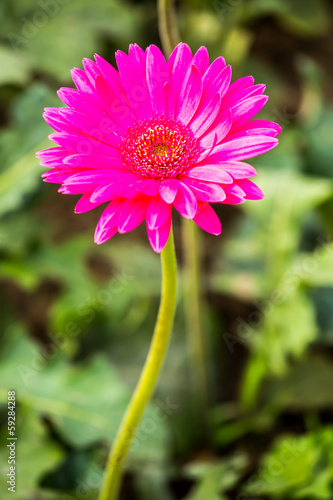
{"x": 76, "y": 318}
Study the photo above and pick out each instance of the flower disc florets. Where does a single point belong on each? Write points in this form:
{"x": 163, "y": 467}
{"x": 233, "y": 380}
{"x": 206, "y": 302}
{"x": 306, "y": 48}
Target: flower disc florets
{"x": 159, "y": 148}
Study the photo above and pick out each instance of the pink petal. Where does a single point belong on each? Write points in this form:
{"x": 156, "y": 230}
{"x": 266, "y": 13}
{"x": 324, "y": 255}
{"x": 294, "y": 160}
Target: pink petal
{"x": 157, "y": 76}
{"x": 106, "y": 235}
{"x": 219, "y": 130}
{"x": 239, "y": 85}
{"x": 53, "y": 117}
{"x": 205, "y": 191}
{"x": 120, "y": 105}
{"x": 111, "y": 188}
{"x": 82, "y": 144}
{"x": 81, "y": 81}
{"x": 137, "y": 54}
{"x": 245, "y": 110}
{"x": 181, "y": 53}
{"x": 207, "y": 219}
{"x": 149, "y": 187}
{"x": 256, "y": 127}
{"x": 190, "y": 95}
{"x": 158, "y": 212}
{"x": 132, "y": 214}
{"x": 52, "y": 156}
{"x": 185, "y": 201}
{"x": 128, "y": 189}
{"x": 169, "y": 189}
{"x": 182, "y": 62}
{"x": 235, "y": 194}
{"x": 91, "y": 69}
{"x": 158, "y": 237}
{"x": 108, "y": 221}
{"x": 134, "y": 81}
{"x": 119, "y": 110}
{"x": 58, "y": 175}
{"x": 220, "y": 84}
{"x": 101, "y": 130}
{"x": 84, "y": 204}
{"x": 201, "y": 60}
{"x": 252, "y": 192}
{"x": 236, "y": 97}
{"x": 95, "y": 161}
{"x": 112, "y": 77}
{"x": 209, "y": 173}
{"x": 51, "y": 153}
{"x": 213, "y": 71}
{"x": 105, "y": 192}
{"x": 86, "y": 180}
{"x": 204, "y": 153}
{"x": 239, "y": 170}
{"x": 169, "y": 101}
{"x": 205, "y": 115}
{"x": 82, "y": 102}
{"x": 241, "y": 149}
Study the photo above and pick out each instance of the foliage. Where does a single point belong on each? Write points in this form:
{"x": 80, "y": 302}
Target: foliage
{"x": 76, "y": 319}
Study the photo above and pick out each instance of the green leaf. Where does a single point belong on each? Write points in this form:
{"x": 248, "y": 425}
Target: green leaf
{"x": 56, "y": 36}
{"x": 307, "y": 386}
{"x": 14, "y": 68}
{"x": 85, "y": 403}
{"x": 19, "y": 180}
{"x": 36, "y": 455}
{"x": 265, "y": 243}
{"x": 296, "y": 467}
{"x": 309, "y": 18}
{"x": 287, "y": 326}
{"x": 316, "y": 268}
{"x": 215, "y": 478}
{"x": 20, "y": 173}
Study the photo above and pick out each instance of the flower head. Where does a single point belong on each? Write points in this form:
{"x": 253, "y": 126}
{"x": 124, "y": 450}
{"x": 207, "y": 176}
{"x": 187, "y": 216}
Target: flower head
{"x": 154, "y": 135}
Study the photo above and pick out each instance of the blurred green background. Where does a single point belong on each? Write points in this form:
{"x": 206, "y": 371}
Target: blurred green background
{"x": 76, "y": 319}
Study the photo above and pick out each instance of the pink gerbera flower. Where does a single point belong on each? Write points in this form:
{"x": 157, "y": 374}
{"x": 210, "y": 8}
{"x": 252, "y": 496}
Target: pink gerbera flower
{"x": 156, "y": 135}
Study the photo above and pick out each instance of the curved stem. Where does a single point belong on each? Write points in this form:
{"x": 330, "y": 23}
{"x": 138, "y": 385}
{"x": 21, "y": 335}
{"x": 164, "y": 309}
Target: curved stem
{"x": 167, "y": 25}
{"x": 148, "y": 376}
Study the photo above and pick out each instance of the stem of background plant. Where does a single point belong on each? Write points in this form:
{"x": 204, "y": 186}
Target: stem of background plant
{"x": 167, "y": 25}
{"x": 169, "y": 38}
{"x": 194, "y": 322}
{"x": 148, "y": 376}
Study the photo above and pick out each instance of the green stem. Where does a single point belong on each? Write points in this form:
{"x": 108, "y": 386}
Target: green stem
{"x": 193, "y": 308}
{"x": 167, "y": 25}
{"x": 148, "y": 376}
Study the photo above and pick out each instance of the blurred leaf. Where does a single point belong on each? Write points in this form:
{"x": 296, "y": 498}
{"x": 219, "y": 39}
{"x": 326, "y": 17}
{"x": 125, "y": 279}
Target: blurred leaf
{"x": 13, "y": 68}
{"x": 215, "y": 478}
{"x": 316, "y": 268}
{"x": 306, "y": 386}
{"x": 288, "y": 327}
{"x": 296, "y": 467}
{"x": 19, "y": 169}
{"x": 85, "y": 402}
{"x": 264, "y": 244}
{"x": 322, "y": 298}
{"x": 317, "y": 143}
{"x": 30, "y": 467}
{"x": 19, "y": 180}
{"x": 152, "y": 484}
{"x": 304, "y": 18}
{"x": 55, "y": 36}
